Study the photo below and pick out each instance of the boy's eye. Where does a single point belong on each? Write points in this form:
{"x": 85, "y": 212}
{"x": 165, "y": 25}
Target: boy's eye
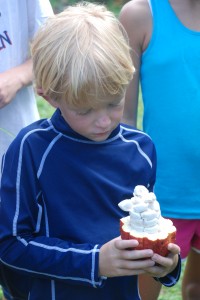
{"x": 114, "y": 104}
{"x": 84, "y": 112}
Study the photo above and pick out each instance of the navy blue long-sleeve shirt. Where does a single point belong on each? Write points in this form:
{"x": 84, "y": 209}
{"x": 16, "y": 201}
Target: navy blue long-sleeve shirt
{"x": 59, "y": 204}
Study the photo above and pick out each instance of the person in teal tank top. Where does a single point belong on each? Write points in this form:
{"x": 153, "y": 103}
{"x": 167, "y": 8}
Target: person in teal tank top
{"x": 165, "y": 39}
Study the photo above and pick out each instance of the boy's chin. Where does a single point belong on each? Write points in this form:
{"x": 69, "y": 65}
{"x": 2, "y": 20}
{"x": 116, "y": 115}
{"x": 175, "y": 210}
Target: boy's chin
{"x": 100, "y": 137}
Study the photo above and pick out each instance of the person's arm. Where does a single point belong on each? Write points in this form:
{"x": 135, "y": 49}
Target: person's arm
{"x": 25, "y": 245}
{"x": 135, "y": 16}
{"x": 13, "y": 80}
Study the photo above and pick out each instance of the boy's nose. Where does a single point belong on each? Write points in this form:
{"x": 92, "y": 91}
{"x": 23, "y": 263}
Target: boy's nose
{"x": 103, "y": 119}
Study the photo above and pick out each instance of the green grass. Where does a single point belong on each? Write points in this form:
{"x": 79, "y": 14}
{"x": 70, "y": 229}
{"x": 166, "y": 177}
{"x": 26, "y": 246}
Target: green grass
{"x": 44, "y": 108}
{"x": 140, "y": 112}
{"x": 173, "y": 293}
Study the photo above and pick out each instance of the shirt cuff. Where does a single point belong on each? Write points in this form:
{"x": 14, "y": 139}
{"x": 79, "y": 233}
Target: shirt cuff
{"x": 172, "y": 278}
{"x": 98, "y": 281}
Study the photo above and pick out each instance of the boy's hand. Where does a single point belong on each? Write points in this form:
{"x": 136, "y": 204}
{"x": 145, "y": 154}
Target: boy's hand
{"x": 164, "y": 265}
{"x": 115, "y": 259}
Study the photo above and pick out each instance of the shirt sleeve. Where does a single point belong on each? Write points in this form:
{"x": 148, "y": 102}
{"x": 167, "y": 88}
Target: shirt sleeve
{"x": 38, "y": 12}
{"x": 24, "y": 245}
{"x": 172, "y": 278}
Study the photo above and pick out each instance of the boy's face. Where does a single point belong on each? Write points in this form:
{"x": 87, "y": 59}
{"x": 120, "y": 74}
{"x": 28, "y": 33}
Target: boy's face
{"x": 94, "y": 124}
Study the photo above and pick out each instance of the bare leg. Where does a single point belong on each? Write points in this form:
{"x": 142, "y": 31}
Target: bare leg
{"x": 191, "y": 277}
{"x": 149, "y": 288}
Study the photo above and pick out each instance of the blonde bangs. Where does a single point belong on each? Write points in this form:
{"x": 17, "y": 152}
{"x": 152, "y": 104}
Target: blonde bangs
{"x": 81, "y": 52}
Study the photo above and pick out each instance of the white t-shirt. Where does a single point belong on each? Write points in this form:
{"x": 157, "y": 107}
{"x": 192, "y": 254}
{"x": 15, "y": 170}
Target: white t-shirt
{"x": 19, "y": 21}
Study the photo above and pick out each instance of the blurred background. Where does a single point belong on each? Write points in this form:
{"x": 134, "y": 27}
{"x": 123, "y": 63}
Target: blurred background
{"x": 114, "y": 5}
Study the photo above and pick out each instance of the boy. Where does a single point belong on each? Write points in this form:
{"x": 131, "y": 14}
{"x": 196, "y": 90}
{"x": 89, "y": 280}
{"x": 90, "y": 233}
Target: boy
{"x": 60, "y": 195}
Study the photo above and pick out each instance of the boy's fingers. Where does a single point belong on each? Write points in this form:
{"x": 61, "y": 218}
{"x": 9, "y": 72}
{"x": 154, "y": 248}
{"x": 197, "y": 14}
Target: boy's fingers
{"x": 125, "y": 244}
{"x": 136, "y": 265}
{"x": 175, "y": 249}
{"x": 128, "y": 252}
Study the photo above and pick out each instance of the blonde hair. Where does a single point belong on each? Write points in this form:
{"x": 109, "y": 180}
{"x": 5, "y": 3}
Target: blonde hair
{"x": 80, "y": 53}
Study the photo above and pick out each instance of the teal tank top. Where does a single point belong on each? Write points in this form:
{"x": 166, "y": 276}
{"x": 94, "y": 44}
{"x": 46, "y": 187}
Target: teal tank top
{"x": 170, "y": 82}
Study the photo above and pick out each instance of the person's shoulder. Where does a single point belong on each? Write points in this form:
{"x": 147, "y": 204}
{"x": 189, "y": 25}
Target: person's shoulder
{"x": 142, "y": 141}
{"x": 34, "y": 138}
{"x": 137, "y": 11}
{"x": 29, "y": 132}
{"x": 136, "y": 17}
{"x": 35, "y": 126}
{"x": 135, "y": 133}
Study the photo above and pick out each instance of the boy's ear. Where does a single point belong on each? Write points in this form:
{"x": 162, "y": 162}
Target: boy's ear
{"x": 47, "y": 98}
